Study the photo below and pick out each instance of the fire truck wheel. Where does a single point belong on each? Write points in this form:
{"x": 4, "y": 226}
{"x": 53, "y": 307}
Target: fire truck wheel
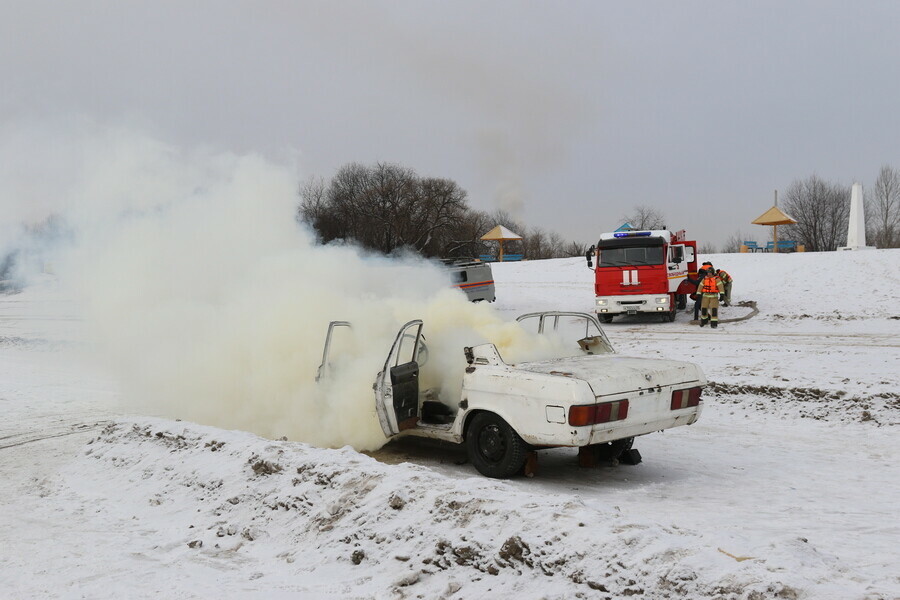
{"x": 605, "y": 318}
{"x": 669, "y": 316}
{"x": 494, "y": 448}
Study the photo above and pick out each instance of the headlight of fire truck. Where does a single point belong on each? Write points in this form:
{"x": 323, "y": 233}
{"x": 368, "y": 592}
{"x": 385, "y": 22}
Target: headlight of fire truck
{"x": 662, "y": 300}
{"x": 602, "y": 301}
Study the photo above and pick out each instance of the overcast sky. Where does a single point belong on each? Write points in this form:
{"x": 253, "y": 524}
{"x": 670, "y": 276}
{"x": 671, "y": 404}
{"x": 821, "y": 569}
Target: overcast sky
{"x": 567, "y": 113}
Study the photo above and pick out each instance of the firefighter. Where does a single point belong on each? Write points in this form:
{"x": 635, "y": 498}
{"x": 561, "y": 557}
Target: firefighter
{"x": 695, "y": 296}
{"x": 709, "y": 290}
{"x": 727, "y": 280}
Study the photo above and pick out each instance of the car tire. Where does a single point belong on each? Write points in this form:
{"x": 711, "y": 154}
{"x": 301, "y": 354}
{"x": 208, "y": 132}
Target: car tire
{"x": 494, "y": 448}
{"x": 605, "y": 318}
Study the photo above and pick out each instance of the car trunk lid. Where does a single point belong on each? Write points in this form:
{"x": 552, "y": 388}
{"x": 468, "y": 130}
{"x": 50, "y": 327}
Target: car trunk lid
{"x": 610, "y": 375}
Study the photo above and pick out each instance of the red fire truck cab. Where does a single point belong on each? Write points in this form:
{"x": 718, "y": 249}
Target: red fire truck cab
{"x": 642, "y": 272}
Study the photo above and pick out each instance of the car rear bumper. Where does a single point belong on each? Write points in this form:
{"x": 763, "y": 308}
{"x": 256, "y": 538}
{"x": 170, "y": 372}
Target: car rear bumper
{"x": 685, "y": 416}
{"x": 569, "y": 436}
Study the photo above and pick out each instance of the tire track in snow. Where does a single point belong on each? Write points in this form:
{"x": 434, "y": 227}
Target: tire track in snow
{"x": 844, "y": 339}
{"x": 27, "y": 437}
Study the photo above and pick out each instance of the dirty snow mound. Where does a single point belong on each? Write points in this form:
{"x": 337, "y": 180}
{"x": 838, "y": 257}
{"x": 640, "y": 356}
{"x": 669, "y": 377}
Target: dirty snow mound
{"x": 235, "y": 498}
{"x": 810, "y": 403}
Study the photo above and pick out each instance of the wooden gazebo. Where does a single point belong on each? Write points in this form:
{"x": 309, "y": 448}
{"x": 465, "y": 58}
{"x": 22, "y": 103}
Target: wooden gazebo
{"x": 774, "y": 217}
{"x": 500, "y": 234}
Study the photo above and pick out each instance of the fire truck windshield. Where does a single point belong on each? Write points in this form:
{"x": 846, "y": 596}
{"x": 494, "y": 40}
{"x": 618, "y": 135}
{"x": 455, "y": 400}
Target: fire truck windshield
{"x": 629, "y": 257}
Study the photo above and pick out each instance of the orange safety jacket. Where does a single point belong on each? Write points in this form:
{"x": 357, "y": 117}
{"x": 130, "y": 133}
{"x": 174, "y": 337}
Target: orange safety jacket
{"x": 710, "y": 285}
{"x": 724, "y": 276}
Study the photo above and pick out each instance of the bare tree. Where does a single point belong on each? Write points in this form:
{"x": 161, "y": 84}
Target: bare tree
{"x": 535, "y": 244}
{"x": 645, "y": 217}
{"x": 883, "y": 209}
{"x": 464, "y": 235}
{"x": 332, "y": 209}
{"x": 384, "y": 207}
{"x": 734, "y": 242}
{"x": 555, "y": 245}
{"x": 822, "y": 211}
{"x": 575, "y": 249}
{"x": 707, "y": 249}
{"x": 427, "y": 226}
{"x": 313, "y": 203}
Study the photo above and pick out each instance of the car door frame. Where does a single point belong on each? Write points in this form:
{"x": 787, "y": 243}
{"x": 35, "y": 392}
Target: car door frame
{"x": 590, "y": 318}
{"x": 324, "y": 367}
{"x": 385, "y": 387}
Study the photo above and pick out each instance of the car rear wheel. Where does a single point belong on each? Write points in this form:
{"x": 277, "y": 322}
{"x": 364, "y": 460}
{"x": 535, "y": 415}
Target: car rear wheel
{"x": 494, "y": 448}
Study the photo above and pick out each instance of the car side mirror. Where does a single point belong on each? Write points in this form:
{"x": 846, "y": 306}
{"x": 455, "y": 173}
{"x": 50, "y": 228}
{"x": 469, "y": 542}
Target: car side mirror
{"x": 588, "y": 256}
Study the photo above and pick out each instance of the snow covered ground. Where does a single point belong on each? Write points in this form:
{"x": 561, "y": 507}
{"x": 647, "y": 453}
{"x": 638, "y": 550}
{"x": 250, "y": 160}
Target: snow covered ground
{"x": 786, "y": 488}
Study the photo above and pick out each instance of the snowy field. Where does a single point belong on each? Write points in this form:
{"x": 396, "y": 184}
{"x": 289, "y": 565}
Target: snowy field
{"x": 787, "y": 487}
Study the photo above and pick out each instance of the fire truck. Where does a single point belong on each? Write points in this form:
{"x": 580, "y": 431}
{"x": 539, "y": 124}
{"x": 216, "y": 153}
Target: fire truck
{"x": 642, "y": 272}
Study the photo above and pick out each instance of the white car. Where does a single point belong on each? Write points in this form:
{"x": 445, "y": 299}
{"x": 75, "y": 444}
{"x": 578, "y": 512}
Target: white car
{"x": 596, "y": 401}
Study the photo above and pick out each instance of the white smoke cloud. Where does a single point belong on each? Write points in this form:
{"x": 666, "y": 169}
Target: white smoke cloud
{"x": 210, "y": 302}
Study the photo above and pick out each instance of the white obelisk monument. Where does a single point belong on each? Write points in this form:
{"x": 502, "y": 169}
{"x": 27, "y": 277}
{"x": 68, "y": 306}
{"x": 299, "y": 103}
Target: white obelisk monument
{"x": 856, "y": 231}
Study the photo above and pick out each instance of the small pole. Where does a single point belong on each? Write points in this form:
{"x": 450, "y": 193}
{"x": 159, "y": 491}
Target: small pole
{"x": 775, "y": 227}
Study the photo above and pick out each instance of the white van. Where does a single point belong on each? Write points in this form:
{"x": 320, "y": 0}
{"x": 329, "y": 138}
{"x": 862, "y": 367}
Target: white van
{"x": 473, "y": 277}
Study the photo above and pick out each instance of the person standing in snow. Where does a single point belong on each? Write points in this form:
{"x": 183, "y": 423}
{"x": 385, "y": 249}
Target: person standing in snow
{"x": 727, "y": 280}
{"x": 725, "y": 297}
{"x": 696, "y": 296}
{"x": 709, "y": 290}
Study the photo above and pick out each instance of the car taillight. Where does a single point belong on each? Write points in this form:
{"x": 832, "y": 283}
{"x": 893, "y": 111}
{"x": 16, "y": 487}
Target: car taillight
{"x": 686, "y": 398}
{"x": 591, "y": 414}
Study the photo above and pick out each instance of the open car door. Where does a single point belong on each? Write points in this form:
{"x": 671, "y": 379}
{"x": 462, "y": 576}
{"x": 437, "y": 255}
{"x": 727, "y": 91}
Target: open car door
{"x": 581, "y": 327}
{"x": 397, "y": 385}
{"x": 325, "y": 367}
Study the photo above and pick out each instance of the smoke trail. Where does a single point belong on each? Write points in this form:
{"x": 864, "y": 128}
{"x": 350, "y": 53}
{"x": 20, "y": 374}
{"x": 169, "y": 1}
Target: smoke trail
{"x": 211, "y": 303}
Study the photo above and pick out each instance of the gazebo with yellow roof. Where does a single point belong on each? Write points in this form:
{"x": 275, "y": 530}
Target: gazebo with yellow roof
{"x": 500, "y": 234}
{"x": 774, "y": 217}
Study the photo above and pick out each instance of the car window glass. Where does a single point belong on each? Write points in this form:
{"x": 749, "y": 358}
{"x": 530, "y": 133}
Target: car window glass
{"x": 626, "y": 257}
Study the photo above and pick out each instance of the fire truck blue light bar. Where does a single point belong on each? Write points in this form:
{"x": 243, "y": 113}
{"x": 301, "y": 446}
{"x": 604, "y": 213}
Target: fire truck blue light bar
{"x": 631, "y": 234}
